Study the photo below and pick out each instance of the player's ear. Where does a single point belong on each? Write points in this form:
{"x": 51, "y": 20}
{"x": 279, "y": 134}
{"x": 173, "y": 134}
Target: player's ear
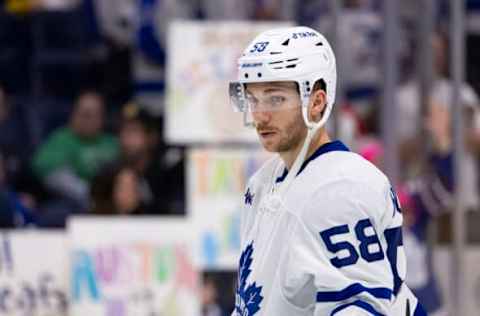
{"x": 318, "y": 103}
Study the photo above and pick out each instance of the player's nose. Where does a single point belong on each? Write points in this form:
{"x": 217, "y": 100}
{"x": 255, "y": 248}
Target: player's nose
{"x": 262, "y": 117}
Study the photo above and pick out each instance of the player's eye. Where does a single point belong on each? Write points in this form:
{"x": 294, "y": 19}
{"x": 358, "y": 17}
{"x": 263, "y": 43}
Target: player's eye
{"x": 276, "y": 101}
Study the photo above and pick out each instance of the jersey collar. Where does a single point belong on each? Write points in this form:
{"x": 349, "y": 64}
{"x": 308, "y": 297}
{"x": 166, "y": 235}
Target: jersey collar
{"x": 325, "y": 148}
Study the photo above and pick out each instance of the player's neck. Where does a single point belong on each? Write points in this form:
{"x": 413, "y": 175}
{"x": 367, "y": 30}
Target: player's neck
{"x": 320, "y": 138}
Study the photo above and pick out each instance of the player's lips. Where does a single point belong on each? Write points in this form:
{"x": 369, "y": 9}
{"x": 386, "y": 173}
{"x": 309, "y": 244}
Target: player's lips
{"x": 266, "y": 134}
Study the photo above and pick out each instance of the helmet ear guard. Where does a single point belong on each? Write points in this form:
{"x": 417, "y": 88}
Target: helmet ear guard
{"x": 306, "y": 102}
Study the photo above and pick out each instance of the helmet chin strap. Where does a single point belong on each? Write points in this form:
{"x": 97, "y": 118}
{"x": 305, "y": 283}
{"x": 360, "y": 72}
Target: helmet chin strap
{"x": 313, "y": 127}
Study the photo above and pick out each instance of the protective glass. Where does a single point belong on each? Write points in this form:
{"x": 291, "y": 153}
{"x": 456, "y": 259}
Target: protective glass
{"x": 274, "y": 100}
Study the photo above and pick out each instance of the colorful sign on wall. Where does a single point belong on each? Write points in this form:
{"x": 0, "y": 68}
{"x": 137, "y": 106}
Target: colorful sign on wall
{"x": 204, "y": 60}
{"x": 216, "y": 185}
{"x": 33, "y": 273}
{"x": 132, "y": 266}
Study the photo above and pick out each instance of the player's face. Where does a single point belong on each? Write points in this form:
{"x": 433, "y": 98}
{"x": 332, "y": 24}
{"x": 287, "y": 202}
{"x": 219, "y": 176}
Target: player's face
{"x": 278, "y": 119}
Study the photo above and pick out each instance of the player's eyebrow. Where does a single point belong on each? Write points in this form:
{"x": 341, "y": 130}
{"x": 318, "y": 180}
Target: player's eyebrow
{"x": 276, "y": 87}
{"x": 270, "y": 90}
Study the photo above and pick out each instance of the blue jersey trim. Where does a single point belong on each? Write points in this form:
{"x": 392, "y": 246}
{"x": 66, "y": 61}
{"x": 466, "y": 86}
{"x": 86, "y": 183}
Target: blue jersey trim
{"x": 419, "y": 311}
{"x": 363, "y": 305}
{"x": 283, "y": 176}
{"x": 352, "y": 290}
{"x": 394, "y": 239}
{"x": 325, "y": 148}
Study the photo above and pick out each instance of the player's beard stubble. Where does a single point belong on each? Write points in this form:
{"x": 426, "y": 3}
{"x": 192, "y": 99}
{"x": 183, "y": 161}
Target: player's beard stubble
{"x": 286, "y": 137}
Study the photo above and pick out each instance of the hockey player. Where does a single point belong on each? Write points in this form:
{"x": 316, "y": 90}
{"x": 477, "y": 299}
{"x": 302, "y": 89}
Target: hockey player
{"x": 321, "y": 226}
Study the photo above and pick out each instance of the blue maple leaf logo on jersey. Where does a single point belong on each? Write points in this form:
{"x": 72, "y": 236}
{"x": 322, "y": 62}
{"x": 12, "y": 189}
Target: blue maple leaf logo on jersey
{"x": 248, "y": 297}
{"x": 249, "y": 197}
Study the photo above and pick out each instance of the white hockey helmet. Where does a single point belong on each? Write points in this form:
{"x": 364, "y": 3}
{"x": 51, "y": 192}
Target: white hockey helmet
{"x": 298, "y": 54}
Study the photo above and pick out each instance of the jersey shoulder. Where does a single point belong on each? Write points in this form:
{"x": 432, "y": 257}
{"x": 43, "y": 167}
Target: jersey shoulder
{"x": 347, "y": 188}
{"x": 346, "y": 168}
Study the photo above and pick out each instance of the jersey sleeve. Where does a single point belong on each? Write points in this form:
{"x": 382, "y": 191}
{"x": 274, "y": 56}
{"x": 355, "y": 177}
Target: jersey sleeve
{"x": 338, "y": 251}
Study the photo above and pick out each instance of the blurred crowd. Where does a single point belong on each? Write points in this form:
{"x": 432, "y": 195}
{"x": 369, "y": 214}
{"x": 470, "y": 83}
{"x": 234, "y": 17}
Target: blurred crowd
{"x": 81, "y": 168}
{"x": 77, "y": 137}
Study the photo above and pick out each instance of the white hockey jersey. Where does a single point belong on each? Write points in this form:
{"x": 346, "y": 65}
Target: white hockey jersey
{"x": 332, "y": 245}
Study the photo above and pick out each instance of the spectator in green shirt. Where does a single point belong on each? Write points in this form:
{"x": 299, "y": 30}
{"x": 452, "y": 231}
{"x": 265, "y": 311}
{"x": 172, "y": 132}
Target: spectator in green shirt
{"x": 72, "y": 154}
